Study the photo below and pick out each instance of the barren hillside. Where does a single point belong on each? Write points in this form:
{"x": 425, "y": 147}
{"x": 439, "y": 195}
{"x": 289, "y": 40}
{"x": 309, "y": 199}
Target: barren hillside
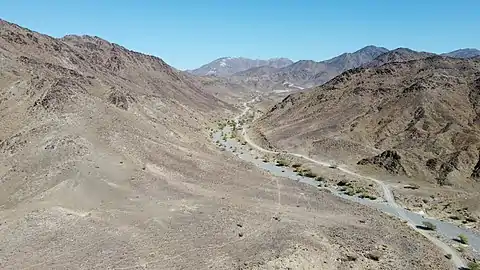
{"x": 106, "y": 163}
{"x": 426, "y": 110}
{"x": 306, "y": 73}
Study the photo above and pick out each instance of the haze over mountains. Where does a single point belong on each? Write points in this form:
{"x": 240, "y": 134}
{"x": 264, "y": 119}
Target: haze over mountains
{"x": 308, "y": 73}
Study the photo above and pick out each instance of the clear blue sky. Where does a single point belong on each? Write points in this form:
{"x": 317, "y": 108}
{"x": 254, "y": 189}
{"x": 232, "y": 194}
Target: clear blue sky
{"x": 187, "y": 34}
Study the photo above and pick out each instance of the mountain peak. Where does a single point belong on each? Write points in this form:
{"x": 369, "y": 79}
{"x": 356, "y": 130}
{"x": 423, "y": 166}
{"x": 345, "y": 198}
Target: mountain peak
{"x": 226, "y": 66}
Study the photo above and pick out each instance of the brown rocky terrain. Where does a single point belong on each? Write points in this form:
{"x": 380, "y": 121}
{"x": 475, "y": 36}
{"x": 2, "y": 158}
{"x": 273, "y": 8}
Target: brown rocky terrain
{"x": 417, "y": 121}
{"x": 305, "y": 73}
{"x": 106, "y": 162}
{"x": 397, "y": 55}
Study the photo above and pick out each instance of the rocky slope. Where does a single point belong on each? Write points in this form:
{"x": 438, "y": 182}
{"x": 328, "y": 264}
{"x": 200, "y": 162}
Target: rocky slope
{"x": 106, "y": 163}
{"x": 425, "y": 112}
{"x": 226, "y": 66}
{"x": 464, "y": 53}
{"x": 397, "y": 55}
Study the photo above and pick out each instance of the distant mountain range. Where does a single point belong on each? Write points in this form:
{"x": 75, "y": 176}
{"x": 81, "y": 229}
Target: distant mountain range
{"x": 463, "y": 53}
{"x": 279, "y": 72}
{"x": 227, "y": 66}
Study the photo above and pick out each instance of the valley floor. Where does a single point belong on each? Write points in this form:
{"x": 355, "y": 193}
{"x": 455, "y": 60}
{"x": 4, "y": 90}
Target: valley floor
{"x": 252, "y": 152}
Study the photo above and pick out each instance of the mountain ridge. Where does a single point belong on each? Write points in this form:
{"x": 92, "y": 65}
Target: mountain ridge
{"x": 226, "y": 66}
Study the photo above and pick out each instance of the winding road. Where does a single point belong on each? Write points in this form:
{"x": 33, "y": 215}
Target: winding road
{"x": 387, "y": 193}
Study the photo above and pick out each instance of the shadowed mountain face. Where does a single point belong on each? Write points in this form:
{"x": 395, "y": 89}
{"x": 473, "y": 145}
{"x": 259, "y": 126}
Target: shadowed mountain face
{"x": 227, "y": 66}
{"x": 423, "y": 113}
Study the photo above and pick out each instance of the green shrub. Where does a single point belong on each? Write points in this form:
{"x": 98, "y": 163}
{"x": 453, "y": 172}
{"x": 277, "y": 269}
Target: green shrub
{"x": 463, "y": 239}
{"x": 350, "y": 192}
{"x": 429, "y": 226}
{"x": 310, "y": 174}
{"x": 473, "y": 266}
{"x": 281, "y": 163}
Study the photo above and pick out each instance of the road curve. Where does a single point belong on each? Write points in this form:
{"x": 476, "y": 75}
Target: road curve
{"x": 387, "y": 193}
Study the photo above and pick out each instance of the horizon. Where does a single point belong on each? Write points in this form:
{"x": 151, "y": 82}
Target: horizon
{"x": 189, "y": 34}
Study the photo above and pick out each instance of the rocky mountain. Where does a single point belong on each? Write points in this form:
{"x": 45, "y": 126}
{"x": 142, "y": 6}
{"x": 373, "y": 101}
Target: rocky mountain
{"x": 226, "y": 66}
{"x": 397, "y": 55}
{"x": 463, "y": 53}
{"x": 418, "y": 118}
{"x": 307, "y": 73}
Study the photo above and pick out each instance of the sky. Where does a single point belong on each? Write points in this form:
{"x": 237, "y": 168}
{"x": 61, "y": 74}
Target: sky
{"x": 190, "y": 33}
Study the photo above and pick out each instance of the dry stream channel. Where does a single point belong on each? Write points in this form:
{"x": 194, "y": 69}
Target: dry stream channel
{"x": 442, "y": 237}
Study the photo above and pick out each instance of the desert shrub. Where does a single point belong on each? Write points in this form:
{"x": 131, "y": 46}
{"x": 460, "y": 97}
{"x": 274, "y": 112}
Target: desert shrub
{"x": 281, "y": 163}
{"x": 310, "y": 174}
{"x": 350, "y": 192}
{"x": 471, "y": 219}
{"x": 448, "y": 256}
{"x": 463, "y": 239}
{"x": 342, "y": 183}
{"x": 296, "y": 165}
{"x": 429, "y": 226}
{"x": 473, "y": 266}
{"x": 320, "y": 178}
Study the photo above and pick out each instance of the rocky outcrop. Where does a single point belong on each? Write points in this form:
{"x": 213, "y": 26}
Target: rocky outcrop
{"x": 388, "y": 160}
{"x": 476, "y": 171}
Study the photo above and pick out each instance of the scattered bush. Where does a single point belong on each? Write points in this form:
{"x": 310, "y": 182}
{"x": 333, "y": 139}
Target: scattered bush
{"x": 342, "y": 183}
{"x": 320, "y": 178}
{"x": 463, "y": 239}
{"x": 471, "y": 219}
{"x": 429, "y": 226}
{"x": 296, "y": 165}
{"x": 473, "y": 266}
{"x": 448, "y": 256}
{"x": 281, "y": 163}
{"x": 412, "y": 186}
{"x": 375, "y": 255}
{"x": 309, "y": 174}
{"x": 367, "y": 196}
